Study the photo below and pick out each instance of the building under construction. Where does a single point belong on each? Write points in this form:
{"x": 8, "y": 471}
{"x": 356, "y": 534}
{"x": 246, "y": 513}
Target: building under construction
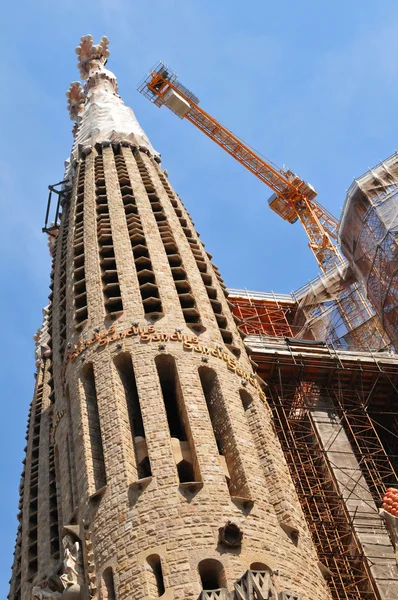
{"x": 334, "y": 408}
{"x": 332, "y": 383}
{"x": 192, "y": 442}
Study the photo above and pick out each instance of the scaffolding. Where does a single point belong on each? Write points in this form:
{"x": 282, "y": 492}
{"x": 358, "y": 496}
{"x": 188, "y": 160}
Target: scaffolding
{"x": 368, "y": 236}
{"x": 263, "y": 314}
{"x": 361, "y": 388}
{"x": 333, "y": 308}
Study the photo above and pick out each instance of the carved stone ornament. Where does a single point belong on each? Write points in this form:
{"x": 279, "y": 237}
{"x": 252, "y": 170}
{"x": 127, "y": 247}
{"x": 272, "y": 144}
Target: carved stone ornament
{"x": 230, "y": 535}
{"x": 76, "y": 99}
{"x": 42, "y": 338}
{"x": 71, "y": 553}
{"x": 72, "y": 568}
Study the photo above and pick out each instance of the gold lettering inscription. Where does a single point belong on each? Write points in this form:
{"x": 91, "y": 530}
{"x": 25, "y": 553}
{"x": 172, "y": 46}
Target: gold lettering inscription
{"x": 149, "y": 334}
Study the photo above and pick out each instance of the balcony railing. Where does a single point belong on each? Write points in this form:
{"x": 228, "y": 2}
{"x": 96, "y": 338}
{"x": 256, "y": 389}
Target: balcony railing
{"x": 220, "y": 594}
{"x": 254, "y": 585}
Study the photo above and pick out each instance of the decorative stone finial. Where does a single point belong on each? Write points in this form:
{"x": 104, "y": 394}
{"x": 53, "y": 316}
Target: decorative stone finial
{"x": 76, "y": 99}
{"x": 87, "y": 51}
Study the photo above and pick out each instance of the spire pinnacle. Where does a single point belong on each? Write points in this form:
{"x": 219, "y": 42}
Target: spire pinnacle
{"x": 99, "y": 113}
{"x": 76, "y": 99}
{"x": 87, "y": 52}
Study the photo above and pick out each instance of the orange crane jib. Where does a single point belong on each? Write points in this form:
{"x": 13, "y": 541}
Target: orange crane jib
{"x": 293, "y": 199}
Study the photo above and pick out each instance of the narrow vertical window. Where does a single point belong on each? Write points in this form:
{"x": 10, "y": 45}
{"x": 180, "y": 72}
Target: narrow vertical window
{"x": 62, "y": 275}
{"x": 95, "y": 439}
{"x": 125, "y": 371}
{"x": 223, "y": 434}
{"x": 207, "y": 276}
{"x": 177, "y": 419}
{"x": 53, "y": 467}
{"x": 108, "y": 585}
{"x": 110, "y": 279}
{"x": 34, "y": 479}
{"x": 79, "y": 272}
{"x": 155, "y": 576}
{"x": 182, "y": 285}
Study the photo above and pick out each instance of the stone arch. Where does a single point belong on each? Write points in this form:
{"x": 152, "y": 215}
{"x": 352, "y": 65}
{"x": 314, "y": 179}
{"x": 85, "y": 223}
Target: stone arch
{"x": 108, "y": 585}
{"x": 259, "y": 566}
{"x": 155, "y": 576}
{"x": 212, "y": 574}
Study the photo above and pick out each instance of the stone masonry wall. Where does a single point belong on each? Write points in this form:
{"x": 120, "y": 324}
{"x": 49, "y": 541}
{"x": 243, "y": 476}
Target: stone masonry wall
{"x": 145, "y": 536}
{"x": 127, "y": 520}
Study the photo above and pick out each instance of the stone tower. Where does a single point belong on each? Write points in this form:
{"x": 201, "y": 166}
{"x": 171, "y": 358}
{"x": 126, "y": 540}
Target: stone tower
{"x": 152, "y": 467}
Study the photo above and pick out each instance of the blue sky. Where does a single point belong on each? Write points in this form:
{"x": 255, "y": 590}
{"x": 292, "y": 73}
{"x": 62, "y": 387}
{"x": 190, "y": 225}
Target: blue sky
{"x": 312, "y": 85}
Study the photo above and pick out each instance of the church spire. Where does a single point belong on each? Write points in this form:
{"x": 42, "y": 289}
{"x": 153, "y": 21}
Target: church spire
{"x": 98, "y": 110}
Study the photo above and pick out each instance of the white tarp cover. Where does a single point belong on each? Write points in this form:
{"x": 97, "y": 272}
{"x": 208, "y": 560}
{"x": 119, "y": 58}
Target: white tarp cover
{"x": 105, "y": 117}
{"x": 99, "y": 111}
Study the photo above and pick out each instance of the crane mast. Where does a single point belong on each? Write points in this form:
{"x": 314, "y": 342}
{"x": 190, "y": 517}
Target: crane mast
{"x": 293, "y": 199}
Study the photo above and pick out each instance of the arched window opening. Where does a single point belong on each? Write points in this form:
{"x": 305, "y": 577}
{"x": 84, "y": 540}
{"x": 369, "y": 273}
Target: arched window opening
{"x": 95, "y": 438}
{"x": 185, "y": 472}
{"x": 223, "y": 433}
{"x": 183, "y": 448}
{"x": 108, "y": 585}
{"x": 126, "y": 373}
{"x": 168, "y": 377}
{"x": 155, "y": 579}
{"x": 258, "y": 566}
{"x": 212, "y": 574}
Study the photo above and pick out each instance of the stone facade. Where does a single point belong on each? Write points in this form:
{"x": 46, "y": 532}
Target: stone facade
{"x": 170, "y": 479}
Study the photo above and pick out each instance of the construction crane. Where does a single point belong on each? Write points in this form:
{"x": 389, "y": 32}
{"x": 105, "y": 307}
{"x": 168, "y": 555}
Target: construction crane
{"x": 293, "y": 199}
